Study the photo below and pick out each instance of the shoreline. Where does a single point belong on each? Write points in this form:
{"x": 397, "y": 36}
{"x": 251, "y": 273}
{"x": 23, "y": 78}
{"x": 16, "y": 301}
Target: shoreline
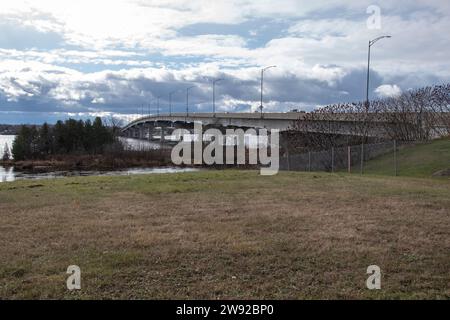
{"x": 84, "y": 163}
{"x": 101, "y": 164}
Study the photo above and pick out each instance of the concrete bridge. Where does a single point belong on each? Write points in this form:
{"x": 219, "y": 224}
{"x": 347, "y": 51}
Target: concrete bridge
{"x": 281, "y": 121}
{"x": 356, "y": 124}
{"x": 335, "y": 124}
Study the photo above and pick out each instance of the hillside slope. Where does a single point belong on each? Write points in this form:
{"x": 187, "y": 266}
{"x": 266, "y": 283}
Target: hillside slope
{"x": 420, "y": 160}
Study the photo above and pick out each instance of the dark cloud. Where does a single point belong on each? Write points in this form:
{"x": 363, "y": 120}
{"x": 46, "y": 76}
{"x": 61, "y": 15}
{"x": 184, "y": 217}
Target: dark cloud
{"x": 125, "y": 92}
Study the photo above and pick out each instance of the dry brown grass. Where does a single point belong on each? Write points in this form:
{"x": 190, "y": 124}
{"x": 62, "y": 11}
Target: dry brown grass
{"x": 227, "y": 234}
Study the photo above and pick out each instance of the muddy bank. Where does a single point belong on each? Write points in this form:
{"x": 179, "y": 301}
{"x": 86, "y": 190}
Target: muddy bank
{"x": 88, "y": 163}
{"x": 107, "y": 162}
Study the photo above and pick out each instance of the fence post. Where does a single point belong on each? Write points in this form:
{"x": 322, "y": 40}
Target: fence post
{"x": 395, "y": 157}
{"x": 332, "y": 159}
{"x": 349, "y": 159}
{"x": 309, "y": 161}
{"x": 362, "y": 158}
{"x": 288, "y": 160}
{"x": 161, "y": 139}
{"x": 286, "y": 147}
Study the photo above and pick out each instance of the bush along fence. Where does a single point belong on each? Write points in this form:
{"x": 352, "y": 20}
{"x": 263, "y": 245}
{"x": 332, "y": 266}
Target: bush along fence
{"x": 350, "y": 158}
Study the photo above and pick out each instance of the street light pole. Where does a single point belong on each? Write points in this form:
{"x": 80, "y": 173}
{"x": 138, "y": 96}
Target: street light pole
{"x": 157, "y": 105}
{"x": 262, "y": 86}
{"x": 214, "y": 95}
{"x": 187, "y": 99}
{"x": 170, "y": 102}
{"x": 371, "y": 43}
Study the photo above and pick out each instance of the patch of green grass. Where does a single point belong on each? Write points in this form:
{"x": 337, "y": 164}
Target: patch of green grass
{"x": 421, "y": 160}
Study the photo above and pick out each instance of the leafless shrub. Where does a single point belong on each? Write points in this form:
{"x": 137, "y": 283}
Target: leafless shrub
{"x": 115, "y": 124}
{"x": 416, "y": 115}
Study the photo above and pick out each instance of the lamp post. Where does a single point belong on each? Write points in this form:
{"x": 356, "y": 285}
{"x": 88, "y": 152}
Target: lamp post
{"x": 170, "y": 102}
{"x": 187, "y": 99}
{"x": 214, "y": 95}
{"x": 262, "y": 86}
{"x": 157, "y": 105}
{"x": 371, "y": 43}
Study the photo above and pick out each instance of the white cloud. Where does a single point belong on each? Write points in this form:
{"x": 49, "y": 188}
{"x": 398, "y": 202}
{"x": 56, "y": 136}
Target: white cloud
{"x": 388, "y": 90}
{"x": 320, "y": 55}
{"x": 62, "y": 56}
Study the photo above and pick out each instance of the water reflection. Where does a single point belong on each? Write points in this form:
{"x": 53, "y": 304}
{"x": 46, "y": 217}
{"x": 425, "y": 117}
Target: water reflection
{"x": 6, "y": 174}
{"x": 9, "y": 174}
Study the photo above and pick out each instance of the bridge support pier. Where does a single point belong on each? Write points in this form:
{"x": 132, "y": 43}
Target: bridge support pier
{"x": 162, "y": 136}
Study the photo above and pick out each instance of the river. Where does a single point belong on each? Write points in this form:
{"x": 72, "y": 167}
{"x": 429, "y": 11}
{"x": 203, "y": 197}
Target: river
{"x": 9, "y": 174}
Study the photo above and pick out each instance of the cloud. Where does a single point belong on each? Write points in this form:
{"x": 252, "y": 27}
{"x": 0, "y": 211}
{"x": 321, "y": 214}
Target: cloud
{"x": 100, "y": 56}
{"x": 62, "y": 89}
{"x": 388, "y": 90}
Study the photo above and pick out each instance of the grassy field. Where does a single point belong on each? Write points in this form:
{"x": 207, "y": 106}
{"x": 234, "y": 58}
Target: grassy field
{"x": 225, "y": 234}
{"x": 421, "y": 160}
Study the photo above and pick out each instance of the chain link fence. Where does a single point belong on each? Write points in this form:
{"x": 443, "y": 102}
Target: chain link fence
{"x": 349, "y": 158}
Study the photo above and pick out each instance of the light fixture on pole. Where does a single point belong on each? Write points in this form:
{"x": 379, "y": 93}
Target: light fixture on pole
{"x": 214, "y": 95}
{"x": 371, "y": 43}
{"x": 157, "y": 104}
{"x": 262, "y": 86}
{"x": 170, "y": 102}
{"x": 187, "y": 99}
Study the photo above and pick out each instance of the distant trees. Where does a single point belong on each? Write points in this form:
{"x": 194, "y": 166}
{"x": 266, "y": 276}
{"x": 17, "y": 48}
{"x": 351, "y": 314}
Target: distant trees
{"x": 68, "y": 137}
{"x": 24, "y": 143}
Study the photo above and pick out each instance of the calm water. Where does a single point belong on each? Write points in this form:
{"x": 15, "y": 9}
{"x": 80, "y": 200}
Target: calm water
{"x": 8, "y": 174}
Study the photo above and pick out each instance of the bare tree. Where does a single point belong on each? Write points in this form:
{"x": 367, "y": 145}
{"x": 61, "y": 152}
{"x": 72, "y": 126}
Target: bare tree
{"x": 115, "y": 124}
{"x": 416, "y": 115}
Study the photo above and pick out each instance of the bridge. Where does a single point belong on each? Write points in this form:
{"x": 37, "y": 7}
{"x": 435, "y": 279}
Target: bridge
{"x": 281, "y": 121}
{"x": 288, "y": 121}
{"x": 356, "y": 124}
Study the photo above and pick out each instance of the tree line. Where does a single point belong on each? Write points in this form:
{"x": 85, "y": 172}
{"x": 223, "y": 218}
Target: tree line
{"x": 68, "y": 137}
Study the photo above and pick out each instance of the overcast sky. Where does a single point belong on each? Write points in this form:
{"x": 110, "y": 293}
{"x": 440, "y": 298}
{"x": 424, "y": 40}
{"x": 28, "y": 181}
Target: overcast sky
{"x": 84, "y": 58}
